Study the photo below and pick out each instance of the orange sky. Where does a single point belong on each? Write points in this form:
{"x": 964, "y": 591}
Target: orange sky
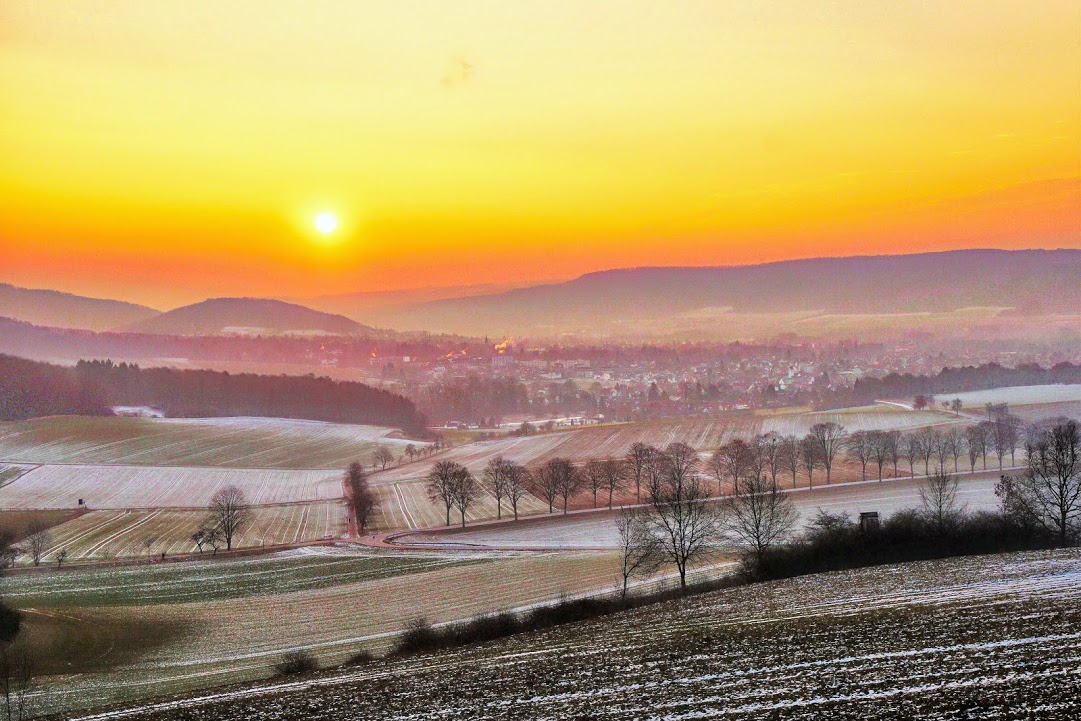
{"x": 165, "y": 151}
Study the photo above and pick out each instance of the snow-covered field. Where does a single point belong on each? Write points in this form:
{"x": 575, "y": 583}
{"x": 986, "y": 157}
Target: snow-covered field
{"x": 125, "y": 487}
{"x": 987, "y": 637}
{"x": 706, "y": 435}
{"x": 106, "y": 535}
{"x": 597, "y": 530}
{"x": 227, "y": 442}
{"x": 1017, "y": 395}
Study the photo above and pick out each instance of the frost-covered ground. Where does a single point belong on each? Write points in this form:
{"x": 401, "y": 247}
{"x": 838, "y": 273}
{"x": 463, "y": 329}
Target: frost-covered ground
{"x": 107, "y": 535}
{"x": 1017, "y": 395}
{"x": 988, "y": 637}
{"x": 124, "y": 487}
{"x": 230, "y": 621}
{"x": 706, "y": 435}
{"x": 225, "y": 442}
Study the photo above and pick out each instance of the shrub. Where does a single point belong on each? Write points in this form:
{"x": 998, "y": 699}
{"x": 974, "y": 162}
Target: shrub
{"x": 833, "y": 543}
{"x": 360, "y": 658}
{"x": 295, "y": 662}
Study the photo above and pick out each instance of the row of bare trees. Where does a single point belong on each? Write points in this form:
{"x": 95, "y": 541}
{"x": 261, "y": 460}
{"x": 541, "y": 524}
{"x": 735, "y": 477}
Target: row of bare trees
{"x": 682, "y": 523}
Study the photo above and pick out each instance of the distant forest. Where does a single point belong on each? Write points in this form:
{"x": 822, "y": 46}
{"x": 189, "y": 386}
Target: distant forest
{"x": 950, "y": 380}
{"x": 30, "y": 389}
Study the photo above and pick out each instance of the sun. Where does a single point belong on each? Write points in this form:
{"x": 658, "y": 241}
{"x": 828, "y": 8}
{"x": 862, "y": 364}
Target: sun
{"x": 325, "y": 222}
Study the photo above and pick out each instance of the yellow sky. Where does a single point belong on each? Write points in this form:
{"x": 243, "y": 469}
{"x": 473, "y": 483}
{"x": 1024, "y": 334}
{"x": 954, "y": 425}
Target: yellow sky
{"x": 166, "y": 151}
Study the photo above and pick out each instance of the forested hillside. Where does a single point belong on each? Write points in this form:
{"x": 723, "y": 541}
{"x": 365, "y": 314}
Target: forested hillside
{"x": 29, "y": 389}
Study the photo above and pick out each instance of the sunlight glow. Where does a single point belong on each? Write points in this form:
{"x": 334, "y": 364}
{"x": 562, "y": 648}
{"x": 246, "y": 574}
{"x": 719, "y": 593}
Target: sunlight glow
{"x": 326, "y": 223}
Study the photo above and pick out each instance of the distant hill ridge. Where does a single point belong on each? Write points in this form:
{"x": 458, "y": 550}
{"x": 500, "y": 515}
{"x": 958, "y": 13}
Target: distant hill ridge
{"x": 220, "y": 315}
{"x": 1032, "y": 281}
{"x": 55, "y": 309}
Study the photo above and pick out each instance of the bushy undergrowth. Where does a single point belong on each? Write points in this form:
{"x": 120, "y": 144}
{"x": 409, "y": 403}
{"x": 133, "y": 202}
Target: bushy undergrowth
{"x": 420, "y": 636}
{"x": 295, "y": 662}
{"x": 834, "y": 543}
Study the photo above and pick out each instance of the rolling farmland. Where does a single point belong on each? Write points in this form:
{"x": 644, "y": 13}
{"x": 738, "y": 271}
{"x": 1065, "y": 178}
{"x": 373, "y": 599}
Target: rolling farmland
{"x": 123, "y": 487}
{"x": 106, "y": 535}
{"x": 237, "y": 634}
{"x": 1017, "y": 395}
{"x": 224, "y": 442}
{"x": 944, "y": 639}
{"x": 10, "y": 471}
{"x": 599, "y": 441}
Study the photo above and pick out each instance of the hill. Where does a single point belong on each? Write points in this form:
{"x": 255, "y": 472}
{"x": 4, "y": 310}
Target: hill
{"x": 64, "y": 310}
{"x": 364, "y": 305}
{"x": 247, "y": 316}
{"x": 629, "y": 301}
{"x": 992, "y": 635}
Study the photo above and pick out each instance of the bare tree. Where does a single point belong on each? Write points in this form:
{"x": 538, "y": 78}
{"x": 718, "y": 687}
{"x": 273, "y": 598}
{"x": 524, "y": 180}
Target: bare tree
{"x": 497, "y": 474}
{"x": 830, "y": 437}
{"x": 381, "y": 457}
{"x": 61, "y": 556}
{"x": 789, "y": 456}
{"x": 955, "y": 406}
{"x": 810, "y": 456}
{"x": 466, "y": 490}
{"x": 938, "y": 496}
{"x": 893, "y": 441}
{"x": 568, "y": 478}
{"x": 910, "y": 449}
{"x": 214, "y": 539}
{"x": 362, "y": 498}
{"x": 760, "y": 514}
{"x": 768, "y": 446}
{"x": 638, "y": 459}
{"x": 594, "y": 474}
{"x": 546, "y": 483}
{"x": 230, "y": 513}
{"x": 985, "y": 431}
{"x": 928, "y": 445}
{"x": 1048, "y": 494}
{"x": 859, "y": 446}
{"x": 200, "y": 538}
{"x": 518, "y": 481}
{"x": 411, "y": 451}
{"x": 16, "y": 674}
{"x": 880, "y": 449}
{"x": 37, "y": 540}
{"x": 615, "y": 475}
{"x": 440, "y": 483}
{"x": 640, "y": 552}
{"x": 686, "y": 525}
{"x": 731, "y": 461}
{"x": 953, "y": 444}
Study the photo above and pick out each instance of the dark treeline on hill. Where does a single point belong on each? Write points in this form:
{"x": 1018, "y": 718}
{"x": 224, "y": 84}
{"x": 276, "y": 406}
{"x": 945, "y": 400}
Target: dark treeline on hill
{"x": 29, "y": 389}
{"x": 950, "y": 380}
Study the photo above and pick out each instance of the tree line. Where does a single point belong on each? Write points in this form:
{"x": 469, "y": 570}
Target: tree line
{"x": 30, "y": 389}
{"x": 674, "y": 485}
